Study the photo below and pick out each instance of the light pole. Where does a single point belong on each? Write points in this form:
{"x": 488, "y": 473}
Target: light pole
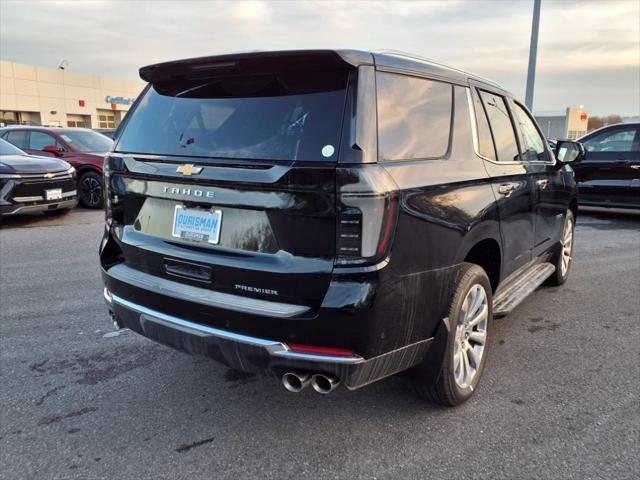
{"x": 533, "y": 53}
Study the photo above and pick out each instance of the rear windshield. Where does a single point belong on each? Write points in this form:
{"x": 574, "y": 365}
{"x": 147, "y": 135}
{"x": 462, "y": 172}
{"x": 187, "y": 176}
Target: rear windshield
{"x": 264, "y": 117}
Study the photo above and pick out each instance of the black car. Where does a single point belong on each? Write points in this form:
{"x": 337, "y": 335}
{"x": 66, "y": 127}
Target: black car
{"x": 332, "y": 216}
{"x": 609, "y": 175}
{"x": 34, "y": 184}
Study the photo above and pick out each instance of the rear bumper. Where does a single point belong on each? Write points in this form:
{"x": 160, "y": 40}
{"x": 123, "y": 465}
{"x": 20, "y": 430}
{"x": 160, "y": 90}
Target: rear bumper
{"x": 259, "y": 355}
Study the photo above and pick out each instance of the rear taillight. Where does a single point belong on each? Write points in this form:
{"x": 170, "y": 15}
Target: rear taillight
{"x": 113, "y": 169}
{"x": 366, "y": 216}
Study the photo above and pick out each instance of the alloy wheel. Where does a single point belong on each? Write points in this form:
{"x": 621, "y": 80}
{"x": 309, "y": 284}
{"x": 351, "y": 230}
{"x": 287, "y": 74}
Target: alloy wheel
{"x": 91, "y": 191}
{"x": 471, "y": 336}
{"x": 567, "y": 246}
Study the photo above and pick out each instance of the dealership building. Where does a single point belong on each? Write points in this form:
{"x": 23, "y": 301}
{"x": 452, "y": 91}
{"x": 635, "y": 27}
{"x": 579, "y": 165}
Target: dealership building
{"x": 570, "y": 124}
{"x": 34, "y": 95}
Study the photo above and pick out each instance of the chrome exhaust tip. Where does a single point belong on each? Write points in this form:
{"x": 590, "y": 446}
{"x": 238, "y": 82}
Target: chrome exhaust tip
{"x": 296, "y": 381}
{"x": 324, "y": 384}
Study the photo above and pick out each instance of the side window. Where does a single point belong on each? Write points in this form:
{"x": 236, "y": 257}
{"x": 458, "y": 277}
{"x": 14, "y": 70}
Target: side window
{"x": 533, "y": 144}
{"x": 485, "y": 140}
{"x": 414, "y": 117}
{"x": 39, "y": 140}
{"x": 615, "y": 140}
{"x": 501, "y": 126}
{"x": 19, "y": 138}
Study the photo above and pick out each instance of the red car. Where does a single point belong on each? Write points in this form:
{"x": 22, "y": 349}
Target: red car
{"x": 82, "y": 148}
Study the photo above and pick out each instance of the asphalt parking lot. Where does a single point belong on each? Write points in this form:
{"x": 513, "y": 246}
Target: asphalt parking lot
{"x": 559, "y": 397}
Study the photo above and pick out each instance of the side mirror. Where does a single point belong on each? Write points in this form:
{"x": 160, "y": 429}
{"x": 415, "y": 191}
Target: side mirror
{"x": 568, "y": 151}
{"x": 53, "y": 149}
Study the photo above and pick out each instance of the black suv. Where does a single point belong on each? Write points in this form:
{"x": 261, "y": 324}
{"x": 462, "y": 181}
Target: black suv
{"x": 332, "y": 216}
{"x": 609, "y": 176}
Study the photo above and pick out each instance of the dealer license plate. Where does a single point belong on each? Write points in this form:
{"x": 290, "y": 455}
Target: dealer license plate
{"x": 54, "y": 194}
{"x": 197, "y": 225}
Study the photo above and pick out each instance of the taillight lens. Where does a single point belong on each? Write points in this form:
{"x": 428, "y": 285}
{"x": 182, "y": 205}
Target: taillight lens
{"x": 113, "y": 168}
{"x": 367, "y": 211}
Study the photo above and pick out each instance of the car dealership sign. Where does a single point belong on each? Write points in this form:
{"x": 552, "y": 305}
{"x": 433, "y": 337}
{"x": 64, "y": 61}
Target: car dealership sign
{"x": 119, "y": 100}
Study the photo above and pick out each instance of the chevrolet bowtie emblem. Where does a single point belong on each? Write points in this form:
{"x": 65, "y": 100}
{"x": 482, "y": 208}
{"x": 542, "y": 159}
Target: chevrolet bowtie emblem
{"x": 48, "y": 175}
{"x": 188, "y": 169}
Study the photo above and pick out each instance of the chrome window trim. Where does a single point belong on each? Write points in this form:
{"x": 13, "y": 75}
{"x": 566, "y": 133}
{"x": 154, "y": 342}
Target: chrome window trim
{"x": 274, "y": 347}
{"x": 474, "y": 134}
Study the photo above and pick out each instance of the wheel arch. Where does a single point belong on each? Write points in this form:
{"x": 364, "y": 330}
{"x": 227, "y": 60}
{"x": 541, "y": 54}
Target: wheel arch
{"x": 573, "y": 206}
{"x": 486, "y": 252}
{"x": 81, "y": 170}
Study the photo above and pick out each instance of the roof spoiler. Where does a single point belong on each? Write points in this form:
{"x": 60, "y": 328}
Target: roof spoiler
{"x": 256, "y": 62}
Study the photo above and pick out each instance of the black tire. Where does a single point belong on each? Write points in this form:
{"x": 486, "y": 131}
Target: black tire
{"x": 57, "y": 213}
{"x": 560, "y": 275}
{"x": 445, "y": 390}
{"x": 90, "y": 190}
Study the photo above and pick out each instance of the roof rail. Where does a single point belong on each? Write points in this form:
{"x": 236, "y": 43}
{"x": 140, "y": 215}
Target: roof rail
{"x": 411, "y": 56}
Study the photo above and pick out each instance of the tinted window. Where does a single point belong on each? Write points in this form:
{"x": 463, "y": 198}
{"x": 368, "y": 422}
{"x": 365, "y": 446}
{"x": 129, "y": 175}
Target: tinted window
{"x": 272, "y": 117}
{"x": 39, "y": 140}
{"x": 614, "y": 140}
{"x": 414, "y": 117}
{"x": 87, "y": 141}
{"x": 485, "y": 141}
{"x": 501, "y": 126}
{"x": 7, "y": 149}
{"x": 533, "y": 145}
{"x": 18, "y": 138}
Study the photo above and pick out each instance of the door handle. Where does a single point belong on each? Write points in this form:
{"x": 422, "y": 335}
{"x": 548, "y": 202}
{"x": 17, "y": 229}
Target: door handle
{"x": 542, "y": 184}
{"x": 506, "y": 189}
{"x": 637, "y": 167}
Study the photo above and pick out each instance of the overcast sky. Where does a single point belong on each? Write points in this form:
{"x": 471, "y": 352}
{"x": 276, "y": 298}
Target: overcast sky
{"x": 589, "y": 51}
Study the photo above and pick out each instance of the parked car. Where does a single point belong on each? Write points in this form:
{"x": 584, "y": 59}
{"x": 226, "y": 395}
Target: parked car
{"x": 332, "y": 216}
{"x": 34, "y": 184}
{"x": 81, "y": 147}
{"x": 609, "y": 176}
{"x": 107, "y": 132}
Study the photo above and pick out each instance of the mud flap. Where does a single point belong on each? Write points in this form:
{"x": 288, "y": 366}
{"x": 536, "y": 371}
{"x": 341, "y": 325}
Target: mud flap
{"x": 429, "y": 370}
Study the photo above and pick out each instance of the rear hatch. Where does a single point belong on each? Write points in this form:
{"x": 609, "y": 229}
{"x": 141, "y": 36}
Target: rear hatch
{"x": 224, "y": 177}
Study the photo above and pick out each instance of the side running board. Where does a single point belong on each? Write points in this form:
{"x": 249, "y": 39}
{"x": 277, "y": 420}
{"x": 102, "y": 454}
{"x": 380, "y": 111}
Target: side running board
{"x": 509, "y": 298}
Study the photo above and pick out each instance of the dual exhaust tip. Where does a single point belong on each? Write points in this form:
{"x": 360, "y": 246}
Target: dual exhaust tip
{"x": 297, "y": 381}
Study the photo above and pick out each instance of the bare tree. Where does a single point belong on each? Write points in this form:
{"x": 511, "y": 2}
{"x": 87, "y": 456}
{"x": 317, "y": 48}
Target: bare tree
{"x": 599, "y": 122}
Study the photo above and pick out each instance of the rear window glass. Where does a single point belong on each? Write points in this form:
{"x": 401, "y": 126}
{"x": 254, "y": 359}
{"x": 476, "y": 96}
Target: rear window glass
{"x": 18, "y": 138}
{"x": 414, "y": 117}
{"x": 268, "y": 117}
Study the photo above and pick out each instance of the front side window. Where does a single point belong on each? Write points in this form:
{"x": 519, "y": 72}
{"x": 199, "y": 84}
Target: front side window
{"x": 414, "y": 117}
{"x": 533, "y": 144}
{"x": 616, "y": 140}
{"x": 285, "y": 116}
{"x": 501, "y": 126}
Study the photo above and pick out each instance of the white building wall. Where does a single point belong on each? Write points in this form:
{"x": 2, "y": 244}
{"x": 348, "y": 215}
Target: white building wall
{"x": 53, "y": 93}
